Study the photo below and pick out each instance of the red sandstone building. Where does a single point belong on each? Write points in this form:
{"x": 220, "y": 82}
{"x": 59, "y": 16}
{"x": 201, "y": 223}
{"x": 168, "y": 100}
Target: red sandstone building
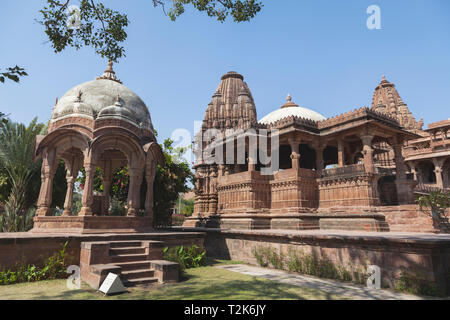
{"x": 355, "y": 171}
{"x": 98, "y": 124}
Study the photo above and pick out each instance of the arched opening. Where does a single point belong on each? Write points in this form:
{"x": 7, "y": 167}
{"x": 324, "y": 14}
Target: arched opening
{"x": 358, "y": 158}
{"x": 112, "y": 196}
{"x": 285, "y": 157}
{"x": 67, "y": 182}
{"x": 426, "y": 169}
{"x": 330, "y": 157}
{"x": 307, "y": 157}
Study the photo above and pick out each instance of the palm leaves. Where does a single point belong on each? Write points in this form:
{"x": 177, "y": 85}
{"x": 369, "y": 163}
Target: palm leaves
{"x": 16, "y": 159}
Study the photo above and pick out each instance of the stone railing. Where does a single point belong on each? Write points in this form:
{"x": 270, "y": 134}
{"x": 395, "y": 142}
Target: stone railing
{"x": 427, "y": 188}
{"x": 344, "y": 171}
{"x": 440, "y": 143}
{"x": 410, "y": 152}
{"x": 385, "y": 171}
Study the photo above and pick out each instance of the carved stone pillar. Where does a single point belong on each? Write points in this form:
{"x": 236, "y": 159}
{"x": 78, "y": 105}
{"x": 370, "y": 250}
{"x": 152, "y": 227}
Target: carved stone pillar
{"x": 404, "y": 187}
{"x": 106, "y": 190}
{"x": 295, "y": 154}
{"x": 438, "y": 172}
{"x": 212, "y": 192}
{"x": 251, "y": 164}
{"x": 69, "y": 195}
{"x": 48, "y": 169}
{"x": 135, "y": 175}
{"x": 88, "y": 198}
{"x": 368, "y": 153}
{"x": 399, "y": 162}
{"x": 221, "y": 170}
{"x": 319, "y": 157}
{"x": 414, "y": 171}
{"x": 72, "y": 168}
{"x": 341, "y": 155}
{"x": 150, "y": 179}
{"x": 107, "y": 181}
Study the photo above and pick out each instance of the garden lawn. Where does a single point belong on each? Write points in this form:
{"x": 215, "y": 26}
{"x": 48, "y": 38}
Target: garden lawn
{"x": 203, "y": 283}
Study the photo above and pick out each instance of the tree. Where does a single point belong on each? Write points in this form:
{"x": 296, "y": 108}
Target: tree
{"x": 103, "y": 29}
{"x": 438, "y": 202}
{"x": 16, "y": 159}
{"x": 13, "y": 74}
{"x": 171, "y": 180}
{"x": 97, "y": 26}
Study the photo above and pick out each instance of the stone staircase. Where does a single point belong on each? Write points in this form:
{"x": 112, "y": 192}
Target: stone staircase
{"x": 136, "y": 262}
{"x": 131, "y": 257}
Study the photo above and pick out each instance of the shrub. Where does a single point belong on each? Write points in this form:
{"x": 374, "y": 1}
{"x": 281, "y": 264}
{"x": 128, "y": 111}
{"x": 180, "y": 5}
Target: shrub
{"x": 192, "y": 257}
{"x": 54, "y": 268}
{"x": 302, "y": 263}
{"x": 414, "y": 283}
{"x": 268, "y": 256}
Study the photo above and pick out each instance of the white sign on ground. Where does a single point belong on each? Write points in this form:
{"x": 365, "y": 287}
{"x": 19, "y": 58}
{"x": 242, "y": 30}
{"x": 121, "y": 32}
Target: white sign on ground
{"x": 112, "y": 284}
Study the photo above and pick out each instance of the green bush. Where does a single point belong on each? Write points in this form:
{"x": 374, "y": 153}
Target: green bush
{"x": 302, "y": 263}
{"x": 268, "y": 256}
{"x": 414, "y": 283}
{"x": 54, "y": 268}
{"x": 191, "y": 257}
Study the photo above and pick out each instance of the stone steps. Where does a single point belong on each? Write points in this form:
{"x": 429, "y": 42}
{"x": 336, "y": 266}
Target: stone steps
{"x": 132, "y": 261}
{"x": 128, "y": 258}
{"x": 140, "y": 281}
{"x": 136, "y": 265}
{"x": 137, "y": 274}
{"x": 124, "y": 244}
{"x": 126, "y": 250}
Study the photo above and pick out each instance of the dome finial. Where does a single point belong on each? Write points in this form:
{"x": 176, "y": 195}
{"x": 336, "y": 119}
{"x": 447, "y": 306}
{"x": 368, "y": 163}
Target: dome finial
{"x": 289, "y": 102}
{"x": 109, "y": 73}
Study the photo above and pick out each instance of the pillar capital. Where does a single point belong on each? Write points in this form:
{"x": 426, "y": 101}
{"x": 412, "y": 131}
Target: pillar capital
{"x": 366, "y": 138}
{"x": 438, "y": 163}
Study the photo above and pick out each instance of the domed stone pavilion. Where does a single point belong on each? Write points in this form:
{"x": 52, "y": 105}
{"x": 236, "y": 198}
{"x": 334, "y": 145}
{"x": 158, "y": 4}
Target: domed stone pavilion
{"x": 98, "y": 124}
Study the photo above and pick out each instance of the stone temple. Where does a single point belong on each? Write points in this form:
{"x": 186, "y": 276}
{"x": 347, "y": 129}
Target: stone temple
{"x": 310, "y": 177}
{"x": 100, "y": 123}
{"x": 355, "y": 171}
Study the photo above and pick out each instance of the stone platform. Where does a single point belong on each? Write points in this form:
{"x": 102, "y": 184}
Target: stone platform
{"x": 35, "y": 248}
{"x": 92, "y": 224}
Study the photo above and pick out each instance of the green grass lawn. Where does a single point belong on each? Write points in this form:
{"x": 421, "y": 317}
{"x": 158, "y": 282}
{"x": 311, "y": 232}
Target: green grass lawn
{"x": 201, "y": 283}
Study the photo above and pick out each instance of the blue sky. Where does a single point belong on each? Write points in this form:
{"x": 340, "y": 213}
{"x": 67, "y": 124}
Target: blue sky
{"x": 319, "y": 51}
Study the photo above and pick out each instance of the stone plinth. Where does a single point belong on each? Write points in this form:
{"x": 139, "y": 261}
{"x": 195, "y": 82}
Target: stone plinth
{"x": 293, "y": 190}
{"x": 350, "y": 186}
{"x": 92, "y": 224}
{"x": 244, "y": 192}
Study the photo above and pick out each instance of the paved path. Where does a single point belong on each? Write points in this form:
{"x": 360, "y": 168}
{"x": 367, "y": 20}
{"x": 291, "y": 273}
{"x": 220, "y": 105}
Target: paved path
{"x": 348, "y": 290}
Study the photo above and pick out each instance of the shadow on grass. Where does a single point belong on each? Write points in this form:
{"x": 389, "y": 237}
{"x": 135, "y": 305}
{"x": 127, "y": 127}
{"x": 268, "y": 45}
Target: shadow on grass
{"x": 205, "y": 283}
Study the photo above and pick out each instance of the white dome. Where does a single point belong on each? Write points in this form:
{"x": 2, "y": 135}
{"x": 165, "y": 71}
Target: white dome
{"x": 291, "y": 109}
{"x": 100, "y": 97}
